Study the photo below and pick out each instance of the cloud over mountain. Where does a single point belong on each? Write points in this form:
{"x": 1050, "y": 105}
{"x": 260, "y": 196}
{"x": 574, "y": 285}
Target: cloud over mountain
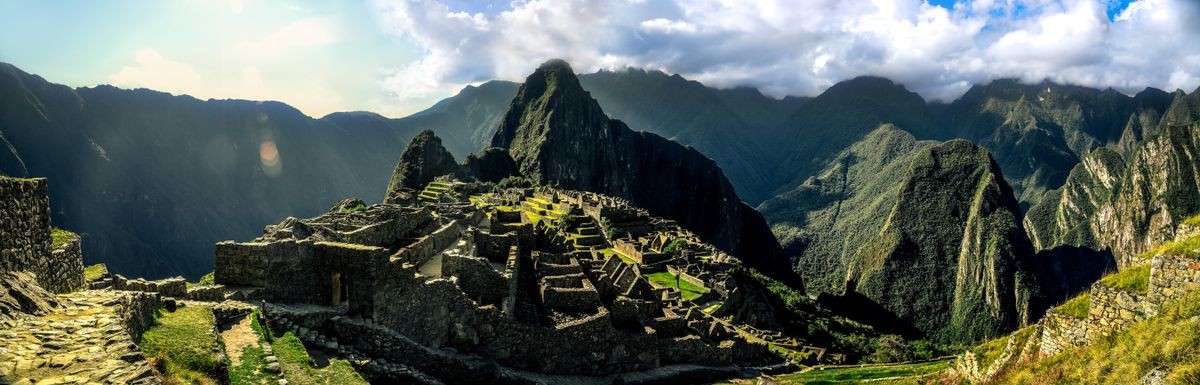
{"x": 802, "y": 47}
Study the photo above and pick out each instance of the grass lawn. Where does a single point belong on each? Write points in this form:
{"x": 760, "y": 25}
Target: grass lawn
{"x": 183, "y": 346}
{"x": 94, "y": 272}
{"x": 687, "y": 290}
{"x": 624, "y": 258}
{"x": 883, "y": 374}
{"x": 298, "y": 366}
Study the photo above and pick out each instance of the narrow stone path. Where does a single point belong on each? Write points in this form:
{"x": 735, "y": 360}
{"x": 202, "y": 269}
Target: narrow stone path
{"x": 83, "y": 341}
{"x": 239, "y": 336}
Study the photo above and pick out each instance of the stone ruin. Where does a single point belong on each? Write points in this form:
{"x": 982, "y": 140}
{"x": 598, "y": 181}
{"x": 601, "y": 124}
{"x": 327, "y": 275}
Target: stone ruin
{"x": 50, "y": 327}
{"x": 493, "y": 289}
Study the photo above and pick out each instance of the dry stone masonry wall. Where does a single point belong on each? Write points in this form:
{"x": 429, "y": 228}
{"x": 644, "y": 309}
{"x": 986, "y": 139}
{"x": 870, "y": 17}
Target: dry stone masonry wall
{"x": 25, "y": 237}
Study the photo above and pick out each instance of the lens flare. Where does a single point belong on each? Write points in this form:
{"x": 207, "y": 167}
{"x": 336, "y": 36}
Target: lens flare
{"x": 269, "y": 155}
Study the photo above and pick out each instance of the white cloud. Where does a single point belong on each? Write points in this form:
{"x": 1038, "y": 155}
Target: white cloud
{"x": 803, "y": 46}
{"x": 303, "y": 33}
{"x": 152, "y": 70}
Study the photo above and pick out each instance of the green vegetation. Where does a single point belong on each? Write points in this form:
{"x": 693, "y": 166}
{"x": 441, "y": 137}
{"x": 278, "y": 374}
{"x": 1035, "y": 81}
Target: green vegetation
{"x": 352, "y": 209}
{"x": 207, "y": 280}
{"x": 298, "y": 366}
{"x": 674, "y": 247}
{"x": 60, "y": 237}
{"x": 1187, "y": 248}
{"x": 1135, "y": 279}
{"x": 94, "y": 272}
{"x": 1193, "y": 221}
{"x": 251, "y": 369}
{"x": 1170, "y": 341}
{"x": 990, "y": 351}
{"x": 610, "y": 252}
{"x": 183, "y": 346}
{"x": 1076, "y": 307}
{"x": 916, "y": 373}
{"x": 689, "y": 291}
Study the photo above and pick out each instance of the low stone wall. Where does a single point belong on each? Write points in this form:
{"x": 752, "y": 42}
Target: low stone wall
{"x": 477, "y": 278}
{"x": 1062, "y": 332}
{"x": 206, "y": 293}
{"x": 64, "y": 271}
{"x": 1114, "y": 309}
{"x": 170, "y": 287}
{"x": 136, "y": 310}
{"x": 424, "y": 249}
{"x": 1170, "y": 276}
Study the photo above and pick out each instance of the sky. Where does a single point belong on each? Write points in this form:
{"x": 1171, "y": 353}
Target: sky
{"x": 397, "y": 57}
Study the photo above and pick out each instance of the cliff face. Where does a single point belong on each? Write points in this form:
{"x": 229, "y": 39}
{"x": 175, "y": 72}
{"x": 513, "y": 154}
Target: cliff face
{"x": 951, "y": 257}
{"x": 1126, "y": 206}
{"x": 422, "y": 160}
{"x": 559, "y": 136}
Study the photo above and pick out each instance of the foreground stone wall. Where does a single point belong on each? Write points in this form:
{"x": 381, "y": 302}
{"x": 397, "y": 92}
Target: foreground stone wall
{"x": 25, "y": 237}
{"x": 1111, "y": 310}
{"x": 64, "y": 271}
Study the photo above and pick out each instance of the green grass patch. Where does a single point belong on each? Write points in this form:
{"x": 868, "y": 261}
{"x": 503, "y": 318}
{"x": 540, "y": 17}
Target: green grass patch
{"x": 988, "y": 352}
{"x": 878, "y": 374}
{"x": 298, "y": 366}
{"x": 1170, "y": 341}
{"x": 94, "y": 272}
{"x": 1076, "y": 307}
{"x": 252, "y": 368}
{"x": 1192, "y": 221}
{"x": 688, "y": 290}
{"x": 1187, "y": 248}
{"x": 1135, "y": 279}
{"x": 60, "y": 238}
{"x": 184, "y": 345}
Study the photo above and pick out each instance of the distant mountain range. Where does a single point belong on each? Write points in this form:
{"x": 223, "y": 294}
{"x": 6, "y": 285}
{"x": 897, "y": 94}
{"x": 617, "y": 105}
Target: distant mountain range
{"x": 152, "y": 180}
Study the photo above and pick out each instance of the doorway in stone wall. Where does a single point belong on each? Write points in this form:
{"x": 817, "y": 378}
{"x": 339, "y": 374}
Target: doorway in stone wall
{"x": 341, "y": 289}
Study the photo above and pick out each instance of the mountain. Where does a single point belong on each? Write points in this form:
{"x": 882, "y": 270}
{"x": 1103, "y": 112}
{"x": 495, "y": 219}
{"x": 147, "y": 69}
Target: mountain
{"x": 824, "y": 221}
{"x": 952, "y": 257}
{"x": 424, "y": 159}
{"x": 150, "y": 180}
{"x": 1126, "y": 205}
{"x": 927, "y": 232}
{"x": 1038, "y": 132}
{"x": 558, "y": 135}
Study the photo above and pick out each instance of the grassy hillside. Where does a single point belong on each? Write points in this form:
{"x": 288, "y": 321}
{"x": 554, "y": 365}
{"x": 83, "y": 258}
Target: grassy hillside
{"x": 1169, "y": 342}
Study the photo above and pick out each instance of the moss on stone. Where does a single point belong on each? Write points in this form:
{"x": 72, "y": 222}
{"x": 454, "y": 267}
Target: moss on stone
{"x": 94, "y": 272}
{"x": 60, "y": 238}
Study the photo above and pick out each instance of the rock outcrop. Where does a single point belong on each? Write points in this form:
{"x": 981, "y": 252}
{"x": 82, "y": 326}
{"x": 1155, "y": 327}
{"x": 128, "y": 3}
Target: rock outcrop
{"x": 952, "y": 256}
{"x": 558, "y": 135}
{"x": 491, "y": 165}
{"x": 1124, "y": 205}
{"x": 424, "y": 159}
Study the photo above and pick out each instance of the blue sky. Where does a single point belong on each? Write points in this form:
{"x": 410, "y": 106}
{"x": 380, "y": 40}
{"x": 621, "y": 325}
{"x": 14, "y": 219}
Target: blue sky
{"x": 396, "y": 57}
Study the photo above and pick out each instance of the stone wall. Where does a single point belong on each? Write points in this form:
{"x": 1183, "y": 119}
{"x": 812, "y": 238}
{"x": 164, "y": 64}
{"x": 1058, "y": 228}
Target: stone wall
{"x": 136, "y": 311}
{"x": 425, "y": 248}
{"x": 169, "y": 287}
{"x": 477, "y": 278}
{"x": 1170, "y": 276}
{"x": 25, "y": 237}
{"x": 64, "y": 271}
{"x": 240, "y": 264}
{"x": 1114, "y": 309}
{"x": 1062, "y": 332}
{"x": 1111, "y": 310}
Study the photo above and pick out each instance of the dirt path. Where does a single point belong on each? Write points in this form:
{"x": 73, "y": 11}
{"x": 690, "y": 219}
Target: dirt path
{"x": 237, "y": 338}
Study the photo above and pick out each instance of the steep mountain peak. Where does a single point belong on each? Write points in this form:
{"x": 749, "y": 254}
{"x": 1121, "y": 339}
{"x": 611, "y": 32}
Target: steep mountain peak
{"x": 423, "y": 160}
